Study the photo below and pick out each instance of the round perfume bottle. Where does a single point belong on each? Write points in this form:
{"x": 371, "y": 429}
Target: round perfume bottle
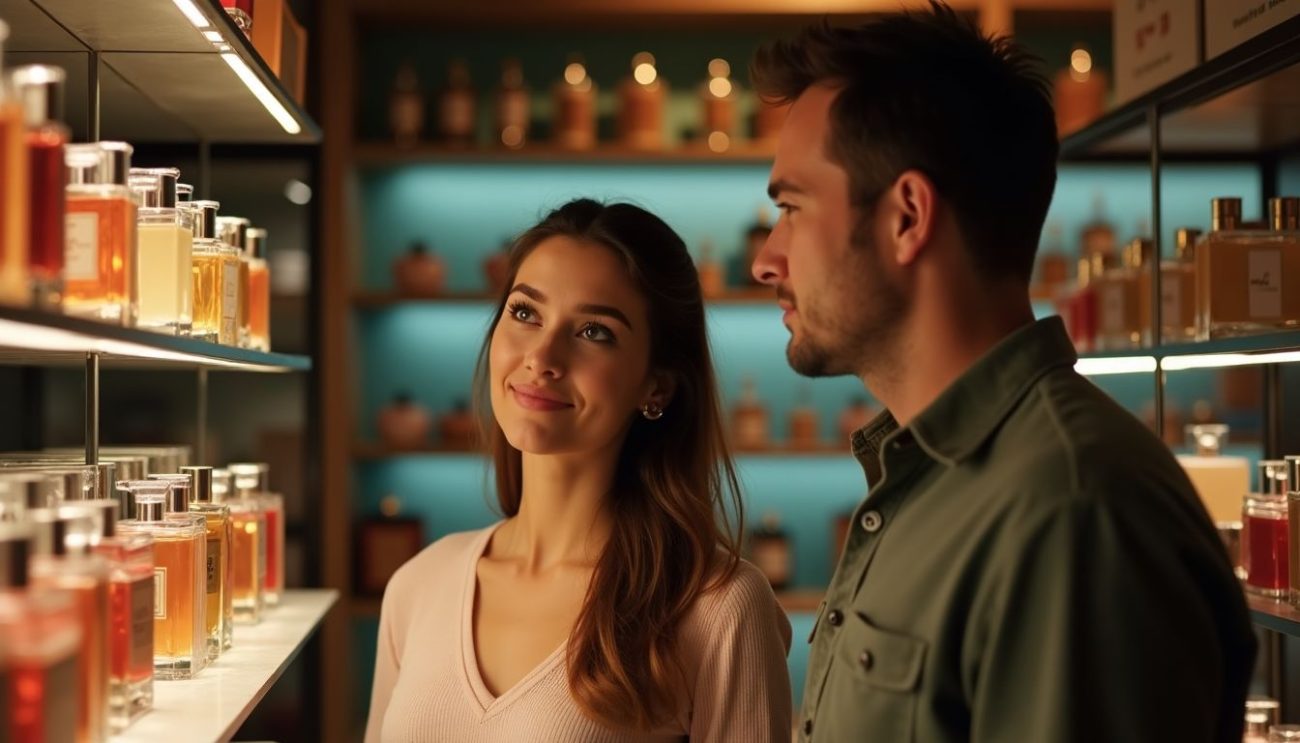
{"x": 404, "y": 424}
{"x": 420, "y": 272}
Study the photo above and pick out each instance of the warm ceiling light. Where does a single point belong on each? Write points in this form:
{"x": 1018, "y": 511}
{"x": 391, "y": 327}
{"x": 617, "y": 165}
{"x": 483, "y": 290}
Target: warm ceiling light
{"x": 1080, "y": 65}
{"x": 720, "y": 87}
{"x": 575, "y": 73}
{"x": 193, "y": 13}
{"x": 263, "y": 95}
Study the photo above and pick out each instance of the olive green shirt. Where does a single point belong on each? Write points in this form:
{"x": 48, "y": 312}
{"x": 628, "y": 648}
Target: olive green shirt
{"x": 1030, "y": 565}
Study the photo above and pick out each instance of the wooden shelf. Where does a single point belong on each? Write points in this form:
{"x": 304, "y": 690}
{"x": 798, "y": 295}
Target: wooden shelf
{"x": 212, "y": 706}
{"x": 28, "y": 337}
{"x": 160, "y": 79}
{"x": 384, "y": 154}
{"x": 382, "y": 299}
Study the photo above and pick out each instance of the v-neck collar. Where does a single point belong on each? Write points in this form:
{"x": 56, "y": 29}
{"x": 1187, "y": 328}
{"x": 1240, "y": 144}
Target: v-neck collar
{"x": 488, "y": 704}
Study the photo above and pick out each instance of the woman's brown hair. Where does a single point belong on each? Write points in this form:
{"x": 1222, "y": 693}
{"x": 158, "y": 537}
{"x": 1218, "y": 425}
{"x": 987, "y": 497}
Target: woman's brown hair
{"x": 673, "y": 538}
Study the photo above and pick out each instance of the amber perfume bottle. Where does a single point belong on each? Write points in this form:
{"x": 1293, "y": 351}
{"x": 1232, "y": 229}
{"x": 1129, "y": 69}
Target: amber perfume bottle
{"x": 180, "y": 648}
{"x": 457, "y": 429}
{"x": 769, "y": 548}
{"x": 456, "y": 105}
{"x": 749, "y": 421}
{"x": 166, "y": 242}
{"x": 1079, "y": 92}
{"x": 1293, "y": 527}
{"x": 420, "y": 272}
{"x": 252, "y": 481}
{"x": 220, "y": 612}
{"x": 1098, "y": 236}
{"x": 513, "y": 107}
{"x": 404, "y": 423}
{"x": 130, "y": 610}
{"x": 383, "y": 544}
{"x": 216, "y": 279}
{"x": 1220, "y": 480}
{"x": 14, "y": 195}
{"x": 718, "y": 100}
{"x": 1248, "y": 281}
{"x": 233, "y": 231}
{"x": 259, "y": 290}
{"x": 641, "y": 105}
{"x": 40, "y": 90}
{"x": 406, "y": 106}
{"x": 62, "y": 560}
{"x": 575, "y": 107}
{"x": 1121, "y": 324}
{"x": 41, "y": 634}
{"x": 804, "y": 426}
{"x": 99, "y": 258}
{"x": 713, "y": 279}
{"x": 248, "y": 546}
{"x": 1177, "y": 292}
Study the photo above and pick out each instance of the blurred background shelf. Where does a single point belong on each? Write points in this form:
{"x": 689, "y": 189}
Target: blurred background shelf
{"x": 384, "y": 154}
{"x": 380, "y": 300}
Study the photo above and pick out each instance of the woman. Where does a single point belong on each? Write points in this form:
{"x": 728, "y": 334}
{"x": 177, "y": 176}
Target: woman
{"x": 610, "y": 604}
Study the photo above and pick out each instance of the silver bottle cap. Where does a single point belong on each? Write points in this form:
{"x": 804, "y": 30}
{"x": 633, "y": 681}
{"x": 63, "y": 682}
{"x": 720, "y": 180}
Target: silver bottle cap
{"x": 38, "y": 89}
{"x": 255, "y": 242}
{"x": 1284, "y": 213}
{"x": 1225, "y": 213}
{"x": 16, "y": 547}
{"x": 251, "y": 476}
{"x": 177, "y": 499}
{"x": 222, "y": 486}
{"x": 51, "y": 531}
{"x": 103, "y": 511}
{"x": 1207, "y": 438}
{"x": 1293, "y": 472}
{"x": 149, "y": 508}
{"x": 202, "y": 477}
{"x": 232, "y": 230}
{"x": 163, "y": 194}
{"x": 184, "y": 193}
{"x": 1273, "y": 477}
{"x": 99, "y": 163}
{"x": 205, "y": 218}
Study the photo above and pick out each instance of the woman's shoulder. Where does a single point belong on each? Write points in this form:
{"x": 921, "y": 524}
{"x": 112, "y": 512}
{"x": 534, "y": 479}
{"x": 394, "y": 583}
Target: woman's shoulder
{"x": 743, "y": 595}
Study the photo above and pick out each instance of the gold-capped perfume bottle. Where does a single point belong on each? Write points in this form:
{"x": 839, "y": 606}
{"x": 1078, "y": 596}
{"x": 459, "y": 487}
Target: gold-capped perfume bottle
{"x": 259, "y": 290}
{"x": 219, "y": 612}
{"x": 99, "y": 266}
{"x": 1177, "y": 292}
{"x": 166, "y": 264}
{"x": 253, "y": 480}
{"x": 180, "y": 647}
{"x": 216, "y": 279}
{"x": 1120, "y": 322}
{"x": 248, "y": 546}
{"x": 1248, "y": 281}
{"x": 233, "y": 231}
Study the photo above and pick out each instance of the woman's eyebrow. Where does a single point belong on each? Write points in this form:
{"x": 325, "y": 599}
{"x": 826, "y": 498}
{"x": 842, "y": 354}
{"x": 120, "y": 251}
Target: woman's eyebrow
{"x": 603, "y": 310}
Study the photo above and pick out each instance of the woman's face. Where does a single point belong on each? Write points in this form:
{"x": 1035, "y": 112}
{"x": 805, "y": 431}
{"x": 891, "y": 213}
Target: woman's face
{"x": 569, "y": 359}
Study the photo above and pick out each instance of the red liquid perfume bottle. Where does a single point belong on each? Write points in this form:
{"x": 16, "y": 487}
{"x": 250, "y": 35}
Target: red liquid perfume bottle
{"x": 1265, "y": 534}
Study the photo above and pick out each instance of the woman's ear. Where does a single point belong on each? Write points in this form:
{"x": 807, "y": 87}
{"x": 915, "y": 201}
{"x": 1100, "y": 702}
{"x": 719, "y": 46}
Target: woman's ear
{"x": 660, "y": 388}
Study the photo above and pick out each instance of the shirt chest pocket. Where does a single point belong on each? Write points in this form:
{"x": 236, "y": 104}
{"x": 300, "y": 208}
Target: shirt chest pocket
{"x": 871, "y": 693}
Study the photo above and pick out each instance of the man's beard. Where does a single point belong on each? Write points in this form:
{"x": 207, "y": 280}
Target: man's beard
{"x": 848, "y": 329}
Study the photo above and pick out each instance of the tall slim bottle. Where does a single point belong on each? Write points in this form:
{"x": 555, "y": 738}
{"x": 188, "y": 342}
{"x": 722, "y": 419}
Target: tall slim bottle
{"x": 41, "y": 636}
{"x": 248, "y": 550}
{"x": 253, "y": 480}
{"x": 39, "y": 88}
{"x": 216, "y": 279}
{"x": 166, "y": 265}
{"x": 259, "y": 290}
{"x": 63, "y": 561}
{"x": 216, "y": 519}
{"x": 233, "y": 231}
{"x": 13, "y": 194}
{"x": 99, "y": 255}
{"x": 180, "y": 648}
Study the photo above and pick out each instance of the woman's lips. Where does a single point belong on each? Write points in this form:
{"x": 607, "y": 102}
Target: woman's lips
{"x": 532, "y": 398}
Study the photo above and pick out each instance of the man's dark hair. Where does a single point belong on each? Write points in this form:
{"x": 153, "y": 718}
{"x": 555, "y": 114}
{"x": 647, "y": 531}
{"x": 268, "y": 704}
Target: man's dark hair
{"x": 927, "y": 91}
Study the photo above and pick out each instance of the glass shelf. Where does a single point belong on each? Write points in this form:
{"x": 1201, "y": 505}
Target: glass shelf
{"x": 1277, "y": 616}
{"x": 42, "y": 339}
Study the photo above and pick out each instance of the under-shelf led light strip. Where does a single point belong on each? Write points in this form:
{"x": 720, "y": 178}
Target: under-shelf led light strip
{"x": 1148, "y": 364}
{"x": 241, "y": 69}
{"x": 28, "y": 337}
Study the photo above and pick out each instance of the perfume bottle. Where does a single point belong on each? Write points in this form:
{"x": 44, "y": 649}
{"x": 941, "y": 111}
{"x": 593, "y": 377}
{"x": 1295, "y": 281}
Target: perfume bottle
{"x": 1248, "y": 281}
{"x": 1079, "y": 92}
{"x": 216, "y": 279}
{"x": 575, "y": 107}
{"x": 803, "y": 422}
{"x": 1219, "y": 480}
{"x": 456, "y": 114}
{"x": 383, "y": 544}
{"x": 404, "y": 423}
{"x": 166, "y": 241}
{"x": 755, "y": 238}
{"x": 40, "y": 90}
{"x": 749, "y": 419}
{"x": 1120, "y": 324}
{"x": 713, "y": 280}
{"x": 1083, "y": 304}
{"x": 41, "y": 634}
{"x": 1265, "y": 533}
{"x": 1177, "y": 292}
{"x": 406, "y": 106}
{"x": 1293, "y": 527}
{"x": 259, "y": 290}
{"x": 99, "y": 257}
{"x": 220, "y": 610}
{"x": 130, "y": 611}
{"x": 769, "y": 548}
{"x": 62, "y": 560}
{"x": 248, "y": 546}
{"x": 513, "y": 106}
{"x": 718, "y": 99}
{"x": 457, "y": 429}
{"x": 1098, "y": 236}
{"x": 641, "y": 105}
{"x": 252, "y": 480}
{"x": 180, "y": 648}
{"x": 14, "y": 198}
{"x": 1261, "y": 715}
{"x": 233, "y": 231}
{"x": 419, "y": 273}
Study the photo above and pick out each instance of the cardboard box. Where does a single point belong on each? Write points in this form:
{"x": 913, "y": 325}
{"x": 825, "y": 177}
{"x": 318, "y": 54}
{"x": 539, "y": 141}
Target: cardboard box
{"x": 1155, "y": 41}
{"x": 282, "y": 42}
{"x": 1230, "y": 22}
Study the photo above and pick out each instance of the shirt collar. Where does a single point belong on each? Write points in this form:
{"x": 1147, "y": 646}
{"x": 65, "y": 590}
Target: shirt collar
{"x": 964, "y": 415}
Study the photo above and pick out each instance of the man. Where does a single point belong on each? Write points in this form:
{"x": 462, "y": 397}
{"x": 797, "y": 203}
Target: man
{"x": 1030, "y": 564}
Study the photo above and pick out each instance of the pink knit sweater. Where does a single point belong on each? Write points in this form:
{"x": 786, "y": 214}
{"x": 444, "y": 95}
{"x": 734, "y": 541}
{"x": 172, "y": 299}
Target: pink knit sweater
{"x": 427, "y": 685}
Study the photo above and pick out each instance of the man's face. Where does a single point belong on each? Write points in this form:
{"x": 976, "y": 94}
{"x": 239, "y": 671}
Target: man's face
{"x": 825, "y": 258}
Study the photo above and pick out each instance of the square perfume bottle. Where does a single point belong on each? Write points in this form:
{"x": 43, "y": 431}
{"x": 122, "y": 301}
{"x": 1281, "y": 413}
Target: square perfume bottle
{"x": 166, "y": 262}
{"x": 100, "y": 253}
{"x": 233, "y": 231}
{"x": 216, "y": 518}
{"x": 216, "y": 278}
{"x": 248, "y": 547}
{"x": 257, "y": 475}
{"x": 259, "y": 290}
{"x": 1248, "y": 281}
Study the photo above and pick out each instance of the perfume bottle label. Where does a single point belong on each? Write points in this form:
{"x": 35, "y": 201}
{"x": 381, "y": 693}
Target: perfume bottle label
{"x": 214, "y": 562}
{"x": 1265, "y": 275}
{"x": 160, "y": 593}
{"x": 81, "y": 246}
{"x": 229, "y": 300}
{"x": 143, "y": 609}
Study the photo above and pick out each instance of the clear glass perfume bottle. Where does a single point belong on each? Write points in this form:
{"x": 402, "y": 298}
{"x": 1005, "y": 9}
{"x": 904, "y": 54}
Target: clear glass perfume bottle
{"x": 62, "y": 560}
{"x": 14, "y": 207}
{"x": 253, "y": 481}
{"x": 184, "y": 193}
{"x": 248, "y": 548}
{"x": 216, "y": 279}
{"x": 216, "y": 518}
{"x": 99, "y": 263}
{"x": 259, "y": 290}
{"x": 166, "y": 236}
{"x": 180, "y": 560}
{"x": 130, "y": 608}
{"x": 40, "y": 90}
{"x": 233, "y": 231}
{"x": 1248, "y": 281}
{"x": 1177, "y": 291}
{"x": 41, "y": 635}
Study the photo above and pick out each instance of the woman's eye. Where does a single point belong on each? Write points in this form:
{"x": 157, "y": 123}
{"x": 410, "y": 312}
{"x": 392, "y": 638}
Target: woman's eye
{"x": 521, "y": 312}
{"x": 597, "y": 333}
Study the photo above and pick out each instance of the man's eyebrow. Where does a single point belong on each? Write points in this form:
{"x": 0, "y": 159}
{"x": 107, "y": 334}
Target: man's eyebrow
{"x": 781, "y": 185}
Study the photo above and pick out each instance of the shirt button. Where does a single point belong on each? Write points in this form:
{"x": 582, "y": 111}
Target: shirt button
{"x": 872, "y": 521}
{"x": 807, "y": 727}
{"x": 865, "y": 660}
{"x": 836, "y": 617}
